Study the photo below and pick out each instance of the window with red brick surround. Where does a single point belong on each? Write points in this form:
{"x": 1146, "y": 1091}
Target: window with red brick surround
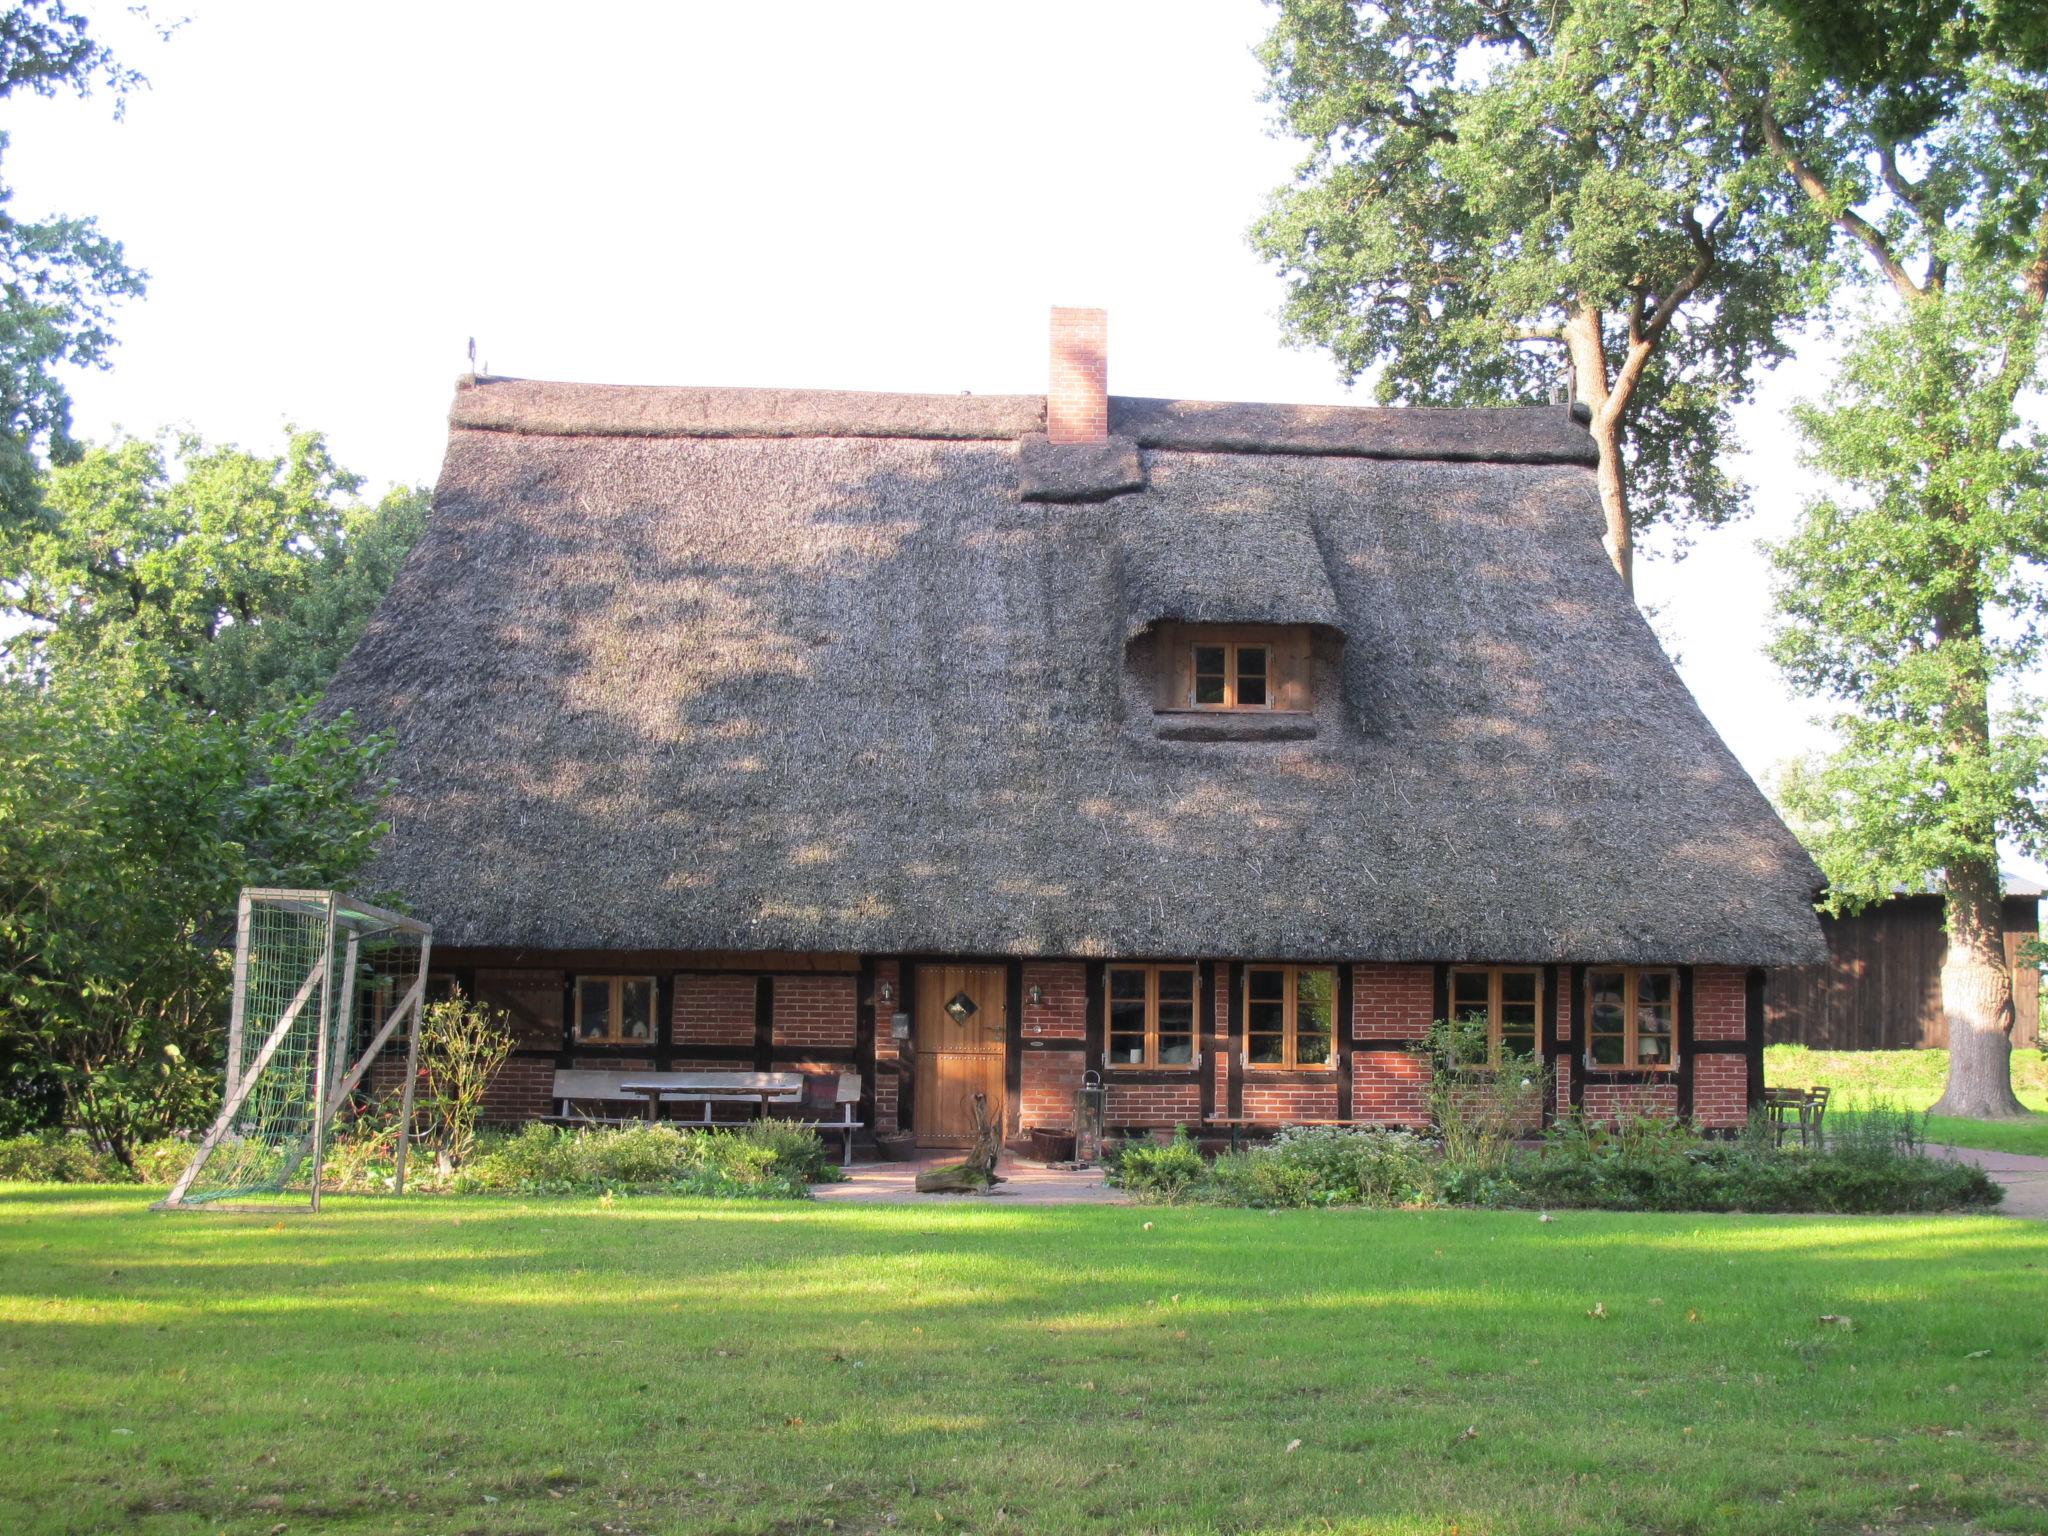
{"x": 1290, "y": 1016}
{"x": 615, "y": 1010}
{"x": 1149, "y": 1016}
{"x": 1631, "y": 1019}
{"x": 1507, "y": 998}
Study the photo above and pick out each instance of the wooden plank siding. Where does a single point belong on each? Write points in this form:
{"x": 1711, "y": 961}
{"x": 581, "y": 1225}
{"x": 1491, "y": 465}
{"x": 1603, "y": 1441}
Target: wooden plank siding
{"x": 1880, "y": 987}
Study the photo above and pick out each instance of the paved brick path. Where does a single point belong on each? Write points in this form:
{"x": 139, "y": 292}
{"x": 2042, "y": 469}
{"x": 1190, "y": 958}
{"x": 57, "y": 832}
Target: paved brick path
{"x": 1024, "y": 1183}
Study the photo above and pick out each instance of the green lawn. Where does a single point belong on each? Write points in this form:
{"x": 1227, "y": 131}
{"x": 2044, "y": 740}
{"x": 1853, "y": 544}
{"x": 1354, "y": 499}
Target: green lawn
{"x": 1913, "y": 1080}
{"x": 506, "y": 1366}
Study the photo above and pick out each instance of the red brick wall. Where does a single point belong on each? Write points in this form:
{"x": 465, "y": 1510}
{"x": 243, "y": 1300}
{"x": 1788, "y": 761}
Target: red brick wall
{"x": 1077, "y": 395}
{"x": 1267, "y": 1100}
{"x": 812, "y": 1010}
{"x": 1063, "y": 1015}
{"x": 1610, "y": 1101}
{"x": 1719, "y": 1003}
{"x": 714, "y": 1010}
{"x": 1047, "y": 1080}
{"x": 1389, "y": 1002}
{"x": 1720, "y": 1091}
{"x": 1392, "y": 1002}
{"x": 1389, "y": 1087}
{"x": 520, "y": 1091}
{"x": 1047, "y": 1083}
{"x": 1176, "y": 1103}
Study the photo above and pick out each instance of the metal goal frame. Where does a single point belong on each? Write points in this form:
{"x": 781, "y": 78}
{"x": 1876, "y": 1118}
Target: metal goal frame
{"x": 346, "y": 922}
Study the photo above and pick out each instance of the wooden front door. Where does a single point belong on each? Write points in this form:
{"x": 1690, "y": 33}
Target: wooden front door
{"x": 961, "y": 1028}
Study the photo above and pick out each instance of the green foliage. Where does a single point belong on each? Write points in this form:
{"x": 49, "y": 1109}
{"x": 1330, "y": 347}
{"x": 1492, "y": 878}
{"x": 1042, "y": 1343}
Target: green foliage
{"x": 1480, "y": 1100}
{"x": 1907, "y": 61}
{"x": 1917, "y": 598}
{"x": 463, "y": 1043}
{"x": 57, "y": 1157}
{"x": 235, "y": 580}
{"x": 1311, "y": 1165}
{"x": 1476, "y": 176}
{"x": 1163, "y": 1173}
{"x": 60, "y": 278}
{"x": 762, "y": 1159}
{"x": 1647, "y": 1164}
{"x": 127, "y": 825}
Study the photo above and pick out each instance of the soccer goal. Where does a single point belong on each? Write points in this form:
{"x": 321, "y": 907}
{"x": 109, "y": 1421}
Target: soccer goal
{"x": 323, "y": 982}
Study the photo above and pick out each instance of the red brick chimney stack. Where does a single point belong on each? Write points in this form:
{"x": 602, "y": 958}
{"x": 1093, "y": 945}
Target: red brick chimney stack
{"x": 1077, "y": 399}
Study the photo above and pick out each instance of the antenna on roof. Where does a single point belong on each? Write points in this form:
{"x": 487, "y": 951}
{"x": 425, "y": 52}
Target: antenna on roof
{"x": 472, "y": 354}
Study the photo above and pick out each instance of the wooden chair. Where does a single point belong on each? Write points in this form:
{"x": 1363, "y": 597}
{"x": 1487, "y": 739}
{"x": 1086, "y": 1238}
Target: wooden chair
{"x": 1817, "y": 1109}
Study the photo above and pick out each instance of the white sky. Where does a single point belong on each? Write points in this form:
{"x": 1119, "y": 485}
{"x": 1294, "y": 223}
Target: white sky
{"x": 330, "y": 199}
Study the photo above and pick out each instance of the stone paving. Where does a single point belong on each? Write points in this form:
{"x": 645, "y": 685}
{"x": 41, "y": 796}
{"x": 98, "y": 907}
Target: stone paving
{"x": 1024, "y": 1183}
{"x": 2025, "y": 1178}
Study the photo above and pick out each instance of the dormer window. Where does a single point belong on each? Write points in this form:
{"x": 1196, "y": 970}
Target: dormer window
{"x": 1231, "y": 676}
{"x": 1230, "y": 667}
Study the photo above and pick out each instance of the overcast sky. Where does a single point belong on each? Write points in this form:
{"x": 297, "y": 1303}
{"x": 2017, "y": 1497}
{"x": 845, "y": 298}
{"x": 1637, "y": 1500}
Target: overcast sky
{"x": 331, "y": 199}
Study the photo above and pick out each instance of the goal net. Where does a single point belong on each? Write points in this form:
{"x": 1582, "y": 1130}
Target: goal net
{"x": 323, "y": 983}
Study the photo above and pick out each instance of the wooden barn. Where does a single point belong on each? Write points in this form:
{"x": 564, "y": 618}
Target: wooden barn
{"x": 1880, "y": 987}
{"x": 953, "y": 743}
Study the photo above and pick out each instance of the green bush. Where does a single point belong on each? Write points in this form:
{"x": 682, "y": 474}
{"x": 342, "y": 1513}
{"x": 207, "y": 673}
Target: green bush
{"x": 1329, "y": 1165}
{"x": 62, "y": 1157}
{"x": 1162, "y": 1174}
{"x": 1650, "y": 1164}
{"x": 764, "y": 1159}
{"x": 57, "y": 1157}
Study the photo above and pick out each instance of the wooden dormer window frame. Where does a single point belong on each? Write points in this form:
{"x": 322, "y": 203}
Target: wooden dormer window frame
{"x": 1254, "y": 669}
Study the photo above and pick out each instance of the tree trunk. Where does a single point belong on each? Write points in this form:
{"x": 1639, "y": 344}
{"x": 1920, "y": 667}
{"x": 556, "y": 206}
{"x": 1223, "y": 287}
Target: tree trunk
{"x": 1588, "y": 350}
{"x": 1976, "y": 999}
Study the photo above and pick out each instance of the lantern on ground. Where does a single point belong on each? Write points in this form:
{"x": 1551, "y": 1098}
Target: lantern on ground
{"x": 1089, "y": 1102}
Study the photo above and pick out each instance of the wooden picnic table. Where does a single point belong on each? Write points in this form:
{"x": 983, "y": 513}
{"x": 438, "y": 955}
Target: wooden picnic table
{"x": 653, "y": 1092}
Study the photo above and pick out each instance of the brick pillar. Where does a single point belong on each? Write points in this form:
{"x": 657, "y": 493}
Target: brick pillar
{"x": 1077, "y": 397}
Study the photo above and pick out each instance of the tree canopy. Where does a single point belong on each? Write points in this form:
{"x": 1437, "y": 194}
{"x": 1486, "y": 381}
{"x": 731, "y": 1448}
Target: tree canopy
{"x": 235, "y": 580}
{"x": 1480, "y": 178}
{"x": 60, "y": 277}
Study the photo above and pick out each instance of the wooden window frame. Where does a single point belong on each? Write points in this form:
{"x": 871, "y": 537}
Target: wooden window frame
{"x": 1232, "y": 671}
{"x": 1631, "y": 1062}
{"x": 1152, "y": 1063}
{"x": 617, "y": 1015}
{"x": 1288, "y": 667}
{"x": 1494, "y": 975}
{"x": 1290, "y": 1021}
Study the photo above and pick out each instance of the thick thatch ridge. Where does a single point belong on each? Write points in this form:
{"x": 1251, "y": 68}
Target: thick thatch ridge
{"x": 679, "y": 685}
{"x": 1519, "y": 435}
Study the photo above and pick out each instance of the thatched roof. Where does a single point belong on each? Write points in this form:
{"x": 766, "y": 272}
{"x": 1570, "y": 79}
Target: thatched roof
{"x": 771, "y": 670}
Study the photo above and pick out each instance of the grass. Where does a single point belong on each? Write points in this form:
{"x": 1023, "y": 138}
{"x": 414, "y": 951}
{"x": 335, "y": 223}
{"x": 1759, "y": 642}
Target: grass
{"x": 1913, "y": 1080}
{"x": 660, "y": 1365}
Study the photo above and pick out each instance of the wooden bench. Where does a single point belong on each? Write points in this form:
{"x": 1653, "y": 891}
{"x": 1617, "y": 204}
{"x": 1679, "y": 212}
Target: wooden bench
{"x": 825, "y": 1092}
{"x": 816, "y": 1095}
{"x": 584, "y": 1085}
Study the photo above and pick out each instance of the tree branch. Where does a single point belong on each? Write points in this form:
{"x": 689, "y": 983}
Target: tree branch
{"x": 1845, "y": 219}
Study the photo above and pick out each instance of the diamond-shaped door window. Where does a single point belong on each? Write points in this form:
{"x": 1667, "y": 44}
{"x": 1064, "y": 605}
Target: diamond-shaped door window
{"x": 961, "y": 1007}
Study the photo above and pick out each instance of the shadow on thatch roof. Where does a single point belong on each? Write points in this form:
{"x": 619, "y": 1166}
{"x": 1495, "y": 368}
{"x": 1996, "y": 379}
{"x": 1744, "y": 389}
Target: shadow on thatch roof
{"x": 800, "y": 671}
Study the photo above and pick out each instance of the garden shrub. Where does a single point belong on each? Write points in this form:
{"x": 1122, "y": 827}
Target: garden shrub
{"x": 1164, "y": 1174}
{"x": 1329, "y": 1165}
{"x": 763, "y": 1158}
{"x": 61, "y": 1157}
{"x": 1651, "y": 1164}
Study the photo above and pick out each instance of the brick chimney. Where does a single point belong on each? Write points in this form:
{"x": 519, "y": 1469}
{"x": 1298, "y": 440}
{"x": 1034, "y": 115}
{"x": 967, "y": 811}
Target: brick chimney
{"x": 1077, "y": 399}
